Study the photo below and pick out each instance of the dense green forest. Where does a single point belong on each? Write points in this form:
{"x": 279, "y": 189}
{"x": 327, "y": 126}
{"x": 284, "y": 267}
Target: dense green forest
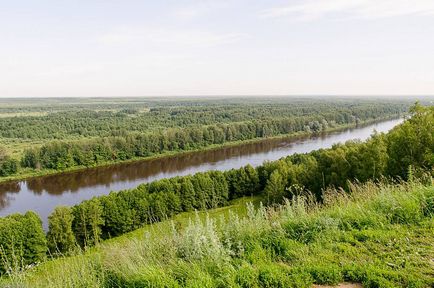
{"x": 60, "y": 136}
{"x": 118, "y": 121}
{"x": 404, "y": 153}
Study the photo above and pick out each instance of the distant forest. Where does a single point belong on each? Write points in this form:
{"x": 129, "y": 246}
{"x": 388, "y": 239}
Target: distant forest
{"x": 63, "y": 134}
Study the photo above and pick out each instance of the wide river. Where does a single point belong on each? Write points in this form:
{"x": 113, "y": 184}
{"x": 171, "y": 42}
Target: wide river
{"x": 42, "y": 194}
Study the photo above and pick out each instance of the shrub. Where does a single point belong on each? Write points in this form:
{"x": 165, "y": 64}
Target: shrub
{"x": 273, "y": 276}
{"x": 8, "y": 166}
{"x": 306, "y": 230}
{"x": 247, "y": 276}
{"x": 329, "y": 274}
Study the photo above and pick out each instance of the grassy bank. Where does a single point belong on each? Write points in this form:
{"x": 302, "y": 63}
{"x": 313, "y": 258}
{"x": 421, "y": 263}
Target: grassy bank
{"x": 377, "y": 235}
{"x": 25, "y": 173}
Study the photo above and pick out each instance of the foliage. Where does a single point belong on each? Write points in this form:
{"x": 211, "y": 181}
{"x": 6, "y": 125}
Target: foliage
{"x": 60, "y": 237}
{"x": 22, "y": 241}
{"x": 87, "y": 222}
{"x": 413, "y": 142}
{"x": 119, "y": 117}
{"x": 8, "y": 166}
{"x": 258, "y": 249}
{"x": 296, "y": 175}
{"x": 68, "y": 136}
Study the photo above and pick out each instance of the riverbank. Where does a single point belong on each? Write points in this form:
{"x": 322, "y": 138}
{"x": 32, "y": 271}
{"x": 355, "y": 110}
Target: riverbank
{"x": 26, "y": 173}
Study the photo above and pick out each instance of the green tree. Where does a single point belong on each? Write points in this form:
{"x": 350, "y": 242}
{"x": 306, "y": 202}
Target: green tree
{"x": 369, "y": 160}
{"x": 188, "y": 200}
{"x": 11, "y": 243}
{"x": 60, "y": 236}
{"x": 253, "y": 182}
{"x": 204, "y": 189}
{"x": 30, "y": 159}
{"x": 158, "y": 207}
{"x": 117, "y": 214}
{"x": 35, "y": 244}
{"x": 87, "y": 223}
{"x": 221, "y": 189}
{"x": 8, "y": 166}
{"x": 275, "y": 188}
{"x": 412, "y": 143}
{"x": 22, "y": 241}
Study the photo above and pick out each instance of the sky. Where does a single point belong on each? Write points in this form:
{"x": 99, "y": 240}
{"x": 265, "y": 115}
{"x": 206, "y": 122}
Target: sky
{"x": 216, "y": 47}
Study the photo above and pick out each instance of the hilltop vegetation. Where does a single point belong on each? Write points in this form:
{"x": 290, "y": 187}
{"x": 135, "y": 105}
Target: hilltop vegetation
{"x": 376, "y": 234}
{"x": 73, "y": 135}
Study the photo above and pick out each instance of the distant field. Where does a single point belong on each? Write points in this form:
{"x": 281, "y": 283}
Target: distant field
{"x": 22, "y": 114}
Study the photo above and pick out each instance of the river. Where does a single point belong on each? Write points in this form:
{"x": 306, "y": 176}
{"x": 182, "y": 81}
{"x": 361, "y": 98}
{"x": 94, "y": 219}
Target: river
{"x": 42, "y": 194}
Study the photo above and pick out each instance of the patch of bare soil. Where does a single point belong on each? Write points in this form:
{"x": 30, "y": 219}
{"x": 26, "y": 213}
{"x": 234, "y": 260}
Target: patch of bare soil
{"x": 342, "y": 285}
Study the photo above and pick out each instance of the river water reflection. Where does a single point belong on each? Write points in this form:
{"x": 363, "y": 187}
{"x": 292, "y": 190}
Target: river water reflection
{"x": 42, "y": 194}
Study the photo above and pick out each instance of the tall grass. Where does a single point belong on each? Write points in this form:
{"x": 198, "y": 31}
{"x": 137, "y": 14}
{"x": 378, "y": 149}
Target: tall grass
{"x": 380, "y": 235}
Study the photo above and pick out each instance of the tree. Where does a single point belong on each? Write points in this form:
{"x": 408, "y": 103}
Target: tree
{"x": 30, "y": 159}
{"x": 204, "y": 189}
{"x": 369, "y": 160}
{"x": 158, "y": 207}
{"x": 8, "y": 166}
{"x": 412, "y": 143}
{"x": 22, "y": 241}
{"x": 221, "y": 189}
{"x": 253, "y": 183}
{"x": 275, "y": 188}
{"x": 138, "y": 201}
{"x": 35, "y": 243}
{"x": 117, "y": 214}
{"x": 60, "y": 236}
{"x": 87, "y": 222}
{"x": 188, "y": 200}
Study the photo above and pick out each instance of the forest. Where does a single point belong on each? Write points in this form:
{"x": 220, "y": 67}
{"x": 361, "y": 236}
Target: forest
{"x": 404, "y": 153}
{"x": 59, "y": 137}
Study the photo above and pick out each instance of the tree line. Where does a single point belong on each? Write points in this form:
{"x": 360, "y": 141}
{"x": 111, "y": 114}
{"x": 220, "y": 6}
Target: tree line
{"x": 65, "y": 154}
{"x": 92, "y": 137}
{"x": 409, "y": 146}
{"x": 122, "y": 119}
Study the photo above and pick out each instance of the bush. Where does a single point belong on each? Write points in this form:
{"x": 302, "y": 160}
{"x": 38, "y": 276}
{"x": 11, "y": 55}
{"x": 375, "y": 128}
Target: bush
{"x": 329, "y": 274}
{"x": 273, "y": 276}
{"x": 279, "y": 246}
{"x": 8, "y": 166}
{"x": 307, "y": 230}
{"x": 247, "y": 276}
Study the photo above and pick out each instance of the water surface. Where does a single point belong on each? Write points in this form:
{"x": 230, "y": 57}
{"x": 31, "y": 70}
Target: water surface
{"x": 42, "y": 194}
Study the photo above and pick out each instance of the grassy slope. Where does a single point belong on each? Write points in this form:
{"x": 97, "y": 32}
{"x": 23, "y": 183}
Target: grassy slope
{"x": 381, "y": 236}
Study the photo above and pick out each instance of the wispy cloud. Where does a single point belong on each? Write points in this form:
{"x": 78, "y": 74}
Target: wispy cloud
{"x": 187, "y": 13}
{"x": 199, "y": 9}
{"x": 162, "y": 36}
{"x": 341, "y": 9}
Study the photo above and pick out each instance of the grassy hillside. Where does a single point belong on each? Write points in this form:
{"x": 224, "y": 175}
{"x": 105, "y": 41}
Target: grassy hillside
{"x": 377, "y": 235}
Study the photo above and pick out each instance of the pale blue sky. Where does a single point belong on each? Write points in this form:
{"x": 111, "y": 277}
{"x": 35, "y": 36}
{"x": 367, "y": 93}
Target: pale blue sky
{"x": 147, "y": 48}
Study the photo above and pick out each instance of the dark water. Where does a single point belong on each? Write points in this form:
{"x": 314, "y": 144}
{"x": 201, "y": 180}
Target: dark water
{"x": 42, "y": 194}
